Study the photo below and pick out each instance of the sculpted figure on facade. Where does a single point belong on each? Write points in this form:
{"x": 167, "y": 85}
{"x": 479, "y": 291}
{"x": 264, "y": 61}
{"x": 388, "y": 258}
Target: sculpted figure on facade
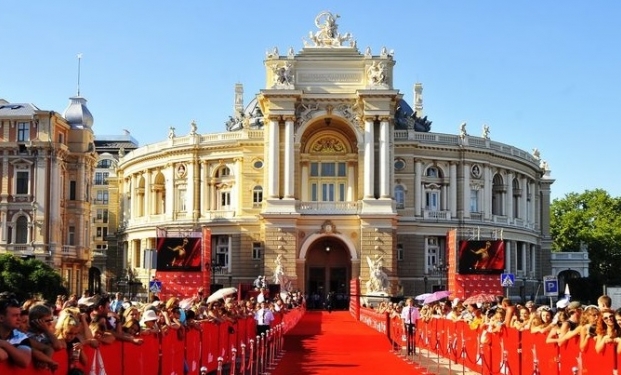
{"x": 328, "y": 35}
{"x": 280, "y": 277}
{"x": 536, "y": 154}
{"x": 376, "y": 74}
{"x": 193, "y": 128}
{"x": 462, "y": 130}
{"x": 171, "y": 132}
{"x": 485, "y": 131}
{"x": 378, "y": 280}
{"x": 283, "y": 76}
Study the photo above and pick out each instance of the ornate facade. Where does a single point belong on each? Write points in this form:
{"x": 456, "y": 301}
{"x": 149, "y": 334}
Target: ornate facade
{"x": 47, "y": 164}
{"x": 329, "y": 172}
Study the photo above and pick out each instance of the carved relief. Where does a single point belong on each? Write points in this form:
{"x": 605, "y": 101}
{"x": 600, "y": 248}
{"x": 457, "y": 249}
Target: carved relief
{"x": 283, "y": 76}
{"x": 328, "y": 145}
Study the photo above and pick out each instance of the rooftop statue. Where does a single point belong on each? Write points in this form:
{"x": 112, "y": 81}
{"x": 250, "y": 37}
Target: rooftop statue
{"x": 328, "y": 35}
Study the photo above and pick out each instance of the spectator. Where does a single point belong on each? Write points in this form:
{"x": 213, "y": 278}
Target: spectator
{"x": 263, "y": 317}
{"x": 604, "y": 302}
{"x": 607, "y": 330}
{"x": 14, "y": 345}
{"x": 542, "y": 322}
{"x": 42, "y": 339}
{"x": 69, "y": 330}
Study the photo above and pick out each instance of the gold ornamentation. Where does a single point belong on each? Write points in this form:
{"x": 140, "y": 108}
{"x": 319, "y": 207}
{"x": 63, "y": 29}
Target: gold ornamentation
{"x": 328, "y": 145}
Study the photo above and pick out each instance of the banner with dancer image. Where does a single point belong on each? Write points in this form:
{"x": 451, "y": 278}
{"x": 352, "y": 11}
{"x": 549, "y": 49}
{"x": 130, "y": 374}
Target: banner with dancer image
{"x": 181, "y": 253}
{"x": 482, "y": 257}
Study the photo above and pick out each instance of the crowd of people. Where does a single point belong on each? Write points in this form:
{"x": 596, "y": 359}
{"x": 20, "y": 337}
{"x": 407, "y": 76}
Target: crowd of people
{"x": 31, "y": 331}
{"x": 600, "y": 322}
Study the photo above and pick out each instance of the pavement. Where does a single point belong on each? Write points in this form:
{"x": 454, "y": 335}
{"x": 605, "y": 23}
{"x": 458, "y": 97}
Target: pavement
{"x": 429, "y": 363}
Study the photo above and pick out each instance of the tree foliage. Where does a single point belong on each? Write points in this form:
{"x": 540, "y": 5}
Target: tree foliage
{"x": 29, "y": 278}
{"x": 591, "y": 220}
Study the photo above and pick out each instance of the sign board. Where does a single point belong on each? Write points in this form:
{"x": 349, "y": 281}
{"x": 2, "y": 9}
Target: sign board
{"x": 550, "y": 286}
{"x": 507, "y": 280}
{"x": 155, "y": 286}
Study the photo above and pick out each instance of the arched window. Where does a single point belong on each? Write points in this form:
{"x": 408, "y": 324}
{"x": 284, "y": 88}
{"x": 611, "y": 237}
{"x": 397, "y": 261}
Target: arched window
{"x": 498, "y": 190}
{"x": 21, "y": 230}
{"x": 223, "y": 172}
{"x": 400, "y": 196}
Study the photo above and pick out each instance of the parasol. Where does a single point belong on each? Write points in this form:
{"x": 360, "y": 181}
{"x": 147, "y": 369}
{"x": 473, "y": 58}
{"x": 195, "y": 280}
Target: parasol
{"x": 421, "y": 297}
{"x": 436, "y": 296}
{"x": 221, "y": 294}
{"x": 480, "y": 298}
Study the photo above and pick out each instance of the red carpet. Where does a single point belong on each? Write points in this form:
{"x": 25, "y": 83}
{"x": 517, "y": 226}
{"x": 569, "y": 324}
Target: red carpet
{"x": 323, "y": 343}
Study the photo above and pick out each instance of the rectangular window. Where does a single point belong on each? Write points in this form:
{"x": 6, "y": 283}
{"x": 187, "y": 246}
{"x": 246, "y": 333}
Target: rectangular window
{"x": 327, "y": 192}
{"x": 341, "y": 192}
{"x": 72, "y": 190}
{"x": 71, "y": 236}
{"x": 327, "y": 170}
{"x": 474, "y": 200}
{"x": 532, "y": 257}
{"x": 69, "y": 281}
{"x": 314, "y": 169}
{"x": 102, "y": 197}
{"x": 342, "y": 172}
{"x": 431, "y": 200}
{"x": 101, "y": 178}
{"x": 519, "y": 253}
{"x": 225, "y": 200}
{"x": 21, "y": 186}
{"x": 399, "y": 252}
{"x": 257, "y": 196}
{"x": 23, "y": 131}
{"x": 182, "y": 200}
{"x": 257, "y": 250}
{"x": 222, "y": 251}
{"x": 314, "y": 193}
{"x": 98, "y": 232}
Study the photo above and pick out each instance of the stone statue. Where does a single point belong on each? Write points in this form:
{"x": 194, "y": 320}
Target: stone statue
{"x": 485, "y": 131}
{"x": 376, "y": 73}
{"x": 378, "y": 280}
{"x": 536, "y": 154}
{"x": 280, "y": 277}
{"x": 283, "y": 75}
{"x": 121, "y": 151}
{"x": 544, "y": 166}
{"x": 462, "y": 130}
{"x": 290, "y": 53}
{"x": 193, "y": 127}
{"x": 171, "y": 132}
{"x": 367, "y": 52}
{"x": 259, "y": 282}
{"x": 328, "y": 35}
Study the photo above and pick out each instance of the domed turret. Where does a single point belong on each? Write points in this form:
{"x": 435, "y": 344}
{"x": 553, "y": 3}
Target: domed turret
{"x": 77, "y": 114}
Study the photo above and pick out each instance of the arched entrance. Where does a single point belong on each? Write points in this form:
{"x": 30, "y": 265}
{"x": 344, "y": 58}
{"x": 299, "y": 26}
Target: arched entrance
{"x": 94, "y": 280}
{"x": 328, "y": 270}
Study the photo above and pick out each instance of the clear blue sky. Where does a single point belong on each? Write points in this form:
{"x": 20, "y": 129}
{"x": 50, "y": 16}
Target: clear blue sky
{"x": 540, "y": 74}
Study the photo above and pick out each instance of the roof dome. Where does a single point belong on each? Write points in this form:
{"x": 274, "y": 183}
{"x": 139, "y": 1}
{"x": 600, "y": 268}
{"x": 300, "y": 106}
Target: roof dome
{"x": 77, "y": 114}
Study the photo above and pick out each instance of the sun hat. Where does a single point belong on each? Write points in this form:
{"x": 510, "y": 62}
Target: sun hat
{"x": 149, "y": 315}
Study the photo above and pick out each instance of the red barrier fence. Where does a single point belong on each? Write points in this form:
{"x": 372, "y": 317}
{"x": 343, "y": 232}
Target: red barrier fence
{"x": 508, "y": 352}
{"x": 213, "y": 346}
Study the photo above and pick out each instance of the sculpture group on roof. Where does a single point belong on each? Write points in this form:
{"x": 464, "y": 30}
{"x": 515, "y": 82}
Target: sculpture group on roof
{"x": 328, "y": 35}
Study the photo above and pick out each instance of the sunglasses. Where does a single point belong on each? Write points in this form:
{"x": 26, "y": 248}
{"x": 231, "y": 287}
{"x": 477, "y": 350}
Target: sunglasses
{"x": 607, "y": 317}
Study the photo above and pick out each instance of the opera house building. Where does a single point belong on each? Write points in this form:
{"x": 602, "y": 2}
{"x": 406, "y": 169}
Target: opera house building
{"x": 329, "y": 175}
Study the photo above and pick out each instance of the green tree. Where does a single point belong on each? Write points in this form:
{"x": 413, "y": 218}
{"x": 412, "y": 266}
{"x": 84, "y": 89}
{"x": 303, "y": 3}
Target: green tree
{"x": 593, "y": 220}
{"x": 28, "y": 278}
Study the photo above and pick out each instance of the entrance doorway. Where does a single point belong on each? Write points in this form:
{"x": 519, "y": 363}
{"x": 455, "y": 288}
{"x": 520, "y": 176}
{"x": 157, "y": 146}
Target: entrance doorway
{"x": 328, "y": 273}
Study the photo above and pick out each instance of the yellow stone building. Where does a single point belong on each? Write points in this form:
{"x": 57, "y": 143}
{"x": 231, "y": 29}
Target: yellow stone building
{"x": 330, "y": 171}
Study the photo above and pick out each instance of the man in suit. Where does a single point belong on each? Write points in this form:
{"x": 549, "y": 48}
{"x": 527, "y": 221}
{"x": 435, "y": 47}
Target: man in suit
{"x": 409, "y": 316}
{"x": 264, "y": 317}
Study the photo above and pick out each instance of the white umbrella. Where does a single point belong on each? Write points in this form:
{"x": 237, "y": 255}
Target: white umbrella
{"x": 221, "y": 294}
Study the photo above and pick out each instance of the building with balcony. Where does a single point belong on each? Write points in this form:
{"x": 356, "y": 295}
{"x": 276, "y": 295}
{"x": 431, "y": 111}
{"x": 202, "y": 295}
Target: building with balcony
{"x": 107, "y": 265}
{"x": 48, "y": 161}
{"x": 328, "y": 169}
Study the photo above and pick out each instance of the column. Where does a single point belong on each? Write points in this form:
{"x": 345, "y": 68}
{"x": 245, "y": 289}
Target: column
{"x": 524, "y": 200}
{"x": 384, "y": 155}
{"x": 418, "y": 187}
{"x": 304, "y": 182}
{"x": 509, "y": 202}
{"x": 147, "y": 193}
{"x": 273, "y": 159}
{"x": 453, "y": 189}
{"x": 134, "y": 204}
{"x": 487, "y": 192}
{"x": 214, "y": 197}
{"x": 289, "y": 157}
{"x": 467, "y": 191}
{"x": 369, "y": 156}
{"x": 508, "y": 256}
{"x": 350, "y": 181}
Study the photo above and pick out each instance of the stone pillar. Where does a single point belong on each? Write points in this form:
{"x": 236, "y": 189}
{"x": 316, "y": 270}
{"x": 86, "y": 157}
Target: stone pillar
{"x": 418, "y": 187}
{"x": 304, "y": 182}
{"x": 509, "y": 202}
{"x": 369, "y": 158}
{"x": 453, "y": 189}
{"x": 273, "y": 160}
{"x": 384, "y": 155}
{"x": 289, "y": 158}
{"x": 467, "y": 192}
